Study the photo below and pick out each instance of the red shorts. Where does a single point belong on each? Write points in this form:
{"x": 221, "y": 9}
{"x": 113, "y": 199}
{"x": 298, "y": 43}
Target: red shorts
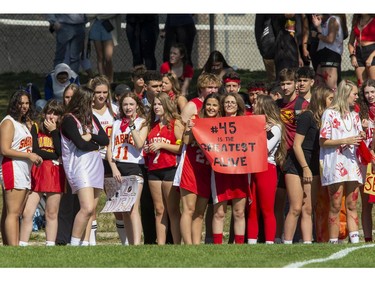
{"x": 48, "y": 177}
{"x": 196, "y": 173}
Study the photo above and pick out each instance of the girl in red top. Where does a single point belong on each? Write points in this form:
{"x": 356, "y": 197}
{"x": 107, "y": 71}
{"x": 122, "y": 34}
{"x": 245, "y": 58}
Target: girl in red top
{"x": 196, "y": 177}
{"x": 230, "y": 187}
{"x": 163, "y": 148}
{"x": 361, "y": 46}
{"x": 48, "y": 178}
{"x": 178, "y": 64}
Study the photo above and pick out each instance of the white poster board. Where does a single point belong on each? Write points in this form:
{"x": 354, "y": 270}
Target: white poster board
{"x": 120, "y": 196}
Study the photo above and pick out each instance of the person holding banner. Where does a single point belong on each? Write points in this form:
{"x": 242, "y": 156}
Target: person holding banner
{"x": 207, "y": 83}
{"x": 366, "y": 103}
{"x": 125, "y": 156}
{"x": 340, "y": 134}
{"x": 162, "y": 148}
{"x": 196, "y": 177}
{"x": 82, "y": 136}
{"x": 263, "y": 184}
{"x": 230, "y": 187}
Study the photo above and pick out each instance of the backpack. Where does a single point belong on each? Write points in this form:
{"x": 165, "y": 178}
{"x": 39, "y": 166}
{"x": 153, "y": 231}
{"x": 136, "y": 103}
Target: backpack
{"x": 268, "y": 40}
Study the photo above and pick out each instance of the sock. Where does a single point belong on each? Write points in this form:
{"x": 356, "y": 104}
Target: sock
{"x": 84, "y": 243}
{"x": 218, "y": 238}
{"x": 368, "y": 239}
{"x": 23, "y": 244}
{"x": 252, "y": 241}
{"x": 50, "y": 243}
{"x": 354, "y": 237}
{"x": 75, "y": 241}
{"x": 307, "y": 242}
{"x": 121, "y": 232}
{"x": 239, "y": 239}
{"x": 289, "y": 242}
{"x": 94, "y": 227}
{"x": 269, "y": 242}
{"x": 334, "y": 240}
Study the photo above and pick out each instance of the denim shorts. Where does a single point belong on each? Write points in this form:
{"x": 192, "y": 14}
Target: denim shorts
{"x": 98, "y": 32}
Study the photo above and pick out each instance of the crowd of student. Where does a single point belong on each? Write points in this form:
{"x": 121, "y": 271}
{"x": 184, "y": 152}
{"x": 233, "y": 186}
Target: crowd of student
{"x": 319, "y": 133}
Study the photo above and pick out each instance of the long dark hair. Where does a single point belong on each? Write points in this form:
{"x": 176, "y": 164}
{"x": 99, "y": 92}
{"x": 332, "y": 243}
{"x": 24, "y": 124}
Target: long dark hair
{"x": 214, "y": 57}
{"x": 14, "y": 110}
{"x": 81, "y": 106}
{"x": 362, "y": 101}
{"x": 52, "y": 106}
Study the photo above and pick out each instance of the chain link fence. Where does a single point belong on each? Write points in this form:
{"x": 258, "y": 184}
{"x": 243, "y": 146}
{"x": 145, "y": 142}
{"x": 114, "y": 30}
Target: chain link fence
{"x": 27, "y": 45}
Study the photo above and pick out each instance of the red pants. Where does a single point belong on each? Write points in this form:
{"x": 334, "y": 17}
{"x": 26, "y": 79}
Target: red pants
{"x": 263, "y": 190}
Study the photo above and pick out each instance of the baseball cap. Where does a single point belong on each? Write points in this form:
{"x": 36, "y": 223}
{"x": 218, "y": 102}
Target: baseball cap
{"x": 122, "y": 89}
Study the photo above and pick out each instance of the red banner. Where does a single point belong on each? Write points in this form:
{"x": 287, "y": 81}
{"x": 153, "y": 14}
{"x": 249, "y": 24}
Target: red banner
{"x": 233, "y": 145}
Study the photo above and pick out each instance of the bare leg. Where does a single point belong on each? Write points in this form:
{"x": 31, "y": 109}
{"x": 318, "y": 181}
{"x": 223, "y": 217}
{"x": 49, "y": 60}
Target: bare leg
{"x": 14, "y": 200}
{"x": 197, "y": 222}
{"x": 52, "y": 210}
{"x": 188, "y": 203}
{"x": 161, "y": 216}
{"x": 27, "y": 216}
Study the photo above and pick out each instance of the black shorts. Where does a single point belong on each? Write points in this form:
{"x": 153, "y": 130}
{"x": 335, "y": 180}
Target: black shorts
{"x": 166, "y": 174}
{"x": 129, "y": 169}
{"x": 293, "y": 167}
{"x": 329, "y": 58}
{"x": 280, "y": 178}
{"x": 362, "y": 54}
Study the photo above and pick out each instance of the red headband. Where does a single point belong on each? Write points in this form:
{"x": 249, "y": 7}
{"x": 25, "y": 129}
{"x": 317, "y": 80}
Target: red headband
{"x": 235, "y": 80}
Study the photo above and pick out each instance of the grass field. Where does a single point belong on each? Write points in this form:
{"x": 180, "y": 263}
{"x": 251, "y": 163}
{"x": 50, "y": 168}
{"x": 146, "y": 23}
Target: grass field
{"x": 109, "y": 254}
{"x": 183, "y": 256}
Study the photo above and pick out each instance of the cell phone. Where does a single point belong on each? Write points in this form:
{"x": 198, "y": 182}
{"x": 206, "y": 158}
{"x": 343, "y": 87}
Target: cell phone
{"x": 270, "y": 135}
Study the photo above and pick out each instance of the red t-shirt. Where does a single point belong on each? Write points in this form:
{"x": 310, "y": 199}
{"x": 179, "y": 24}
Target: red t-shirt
{"x": 188, "y": 71}
{"x": 288, "y": 116}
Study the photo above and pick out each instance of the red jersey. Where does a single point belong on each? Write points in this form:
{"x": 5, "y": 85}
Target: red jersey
{"x": 289, "y": 114}
{"x": 161, "y": 159}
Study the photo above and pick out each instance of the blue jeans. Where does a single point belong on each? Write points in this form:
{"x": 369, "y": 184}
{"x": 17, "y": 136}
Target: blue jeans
{"x": 72, "y": 36}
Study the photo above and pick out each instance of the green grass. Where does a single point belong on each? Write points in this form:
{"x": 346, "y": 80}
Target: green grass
{"x": 182, "y": 256}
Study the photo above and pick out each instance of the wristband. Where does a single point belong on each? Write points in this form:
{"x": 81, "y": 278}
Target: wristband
{"x": 178, "y": 142}
{"x": 351, "y": 55}
{"x": 305, "y": 167}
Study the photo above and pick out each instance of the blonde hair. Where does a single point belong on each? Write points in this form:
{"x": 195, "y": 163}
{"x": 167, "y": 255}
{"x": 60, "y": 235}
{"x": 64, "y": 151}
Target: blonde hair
{"x": 340, "y": 100}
